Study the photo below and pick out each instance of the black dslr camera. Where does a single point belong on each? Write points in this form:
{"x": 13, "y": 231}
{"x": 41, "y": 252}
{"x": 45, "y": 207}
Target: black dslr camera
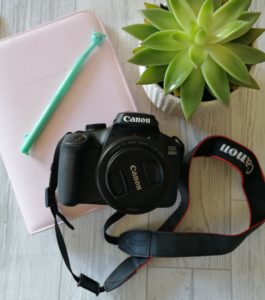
{"x": 130, "y": 166}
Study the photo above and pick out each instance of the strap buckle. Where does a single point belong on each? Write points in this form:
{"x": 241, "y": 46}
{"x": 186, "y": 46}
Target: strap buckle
{"x": 89, "y": 284}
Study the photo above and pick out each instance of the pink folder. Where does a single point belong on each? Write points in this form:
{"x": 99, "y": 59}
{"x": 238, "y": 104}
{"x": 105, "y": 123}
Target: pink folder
{"x": 33, "y": 64}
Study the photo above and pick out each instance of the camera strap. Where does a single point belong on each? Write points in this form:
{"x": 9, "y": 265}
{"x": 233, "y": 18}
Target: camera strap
{"x": 142, "y": 245}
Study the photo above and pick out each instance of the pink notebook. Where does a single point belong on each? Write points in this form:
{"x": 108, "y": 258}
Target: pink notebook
{"x": 33, "y": 64}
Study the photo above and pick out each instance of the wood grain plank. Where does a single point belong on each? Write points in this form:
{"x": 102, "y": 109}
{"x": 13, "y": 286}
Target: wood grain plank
{"x": 22, "y": 15}
{"x": 248, "y": 261}
{"x": 169, "y": 284}
{"x": 246, "y": 129}
{"x": 212, "y": 285}
{"x": 247, "y": 111}
{"x": 93, "y": 256}
{"x": 51, "y": 10}
{"x": 29, "y": 264}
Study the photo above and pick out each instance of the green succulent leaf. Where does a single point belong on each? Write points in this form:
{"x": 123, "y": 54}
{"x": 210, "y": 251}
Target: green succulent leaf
{"x": 151, "y": 57}
{"x": 250, "y": 37}
{"x": 216, "y": 80}
{"x": 150, "y": 5}
{"x": 251, "y": 17}
{"x": 140, "y": 31}
{"x": 178, "y": 71}
{"x": 183, "y": 13}
{"x": 201, "y": 37}
{"x": 153, "y": 75}
{"x": 217, "y": 4}
{"x": 231, "y": 31}
{"x": 197, "y": 55}
{"x": 160, "y": 18}
{"x": 182, "y": 36}
{"x": 252, "y": 85}
{"x": 195, "y": 5}
{"x": 169, "y": 7}
{"x": 230, "y": 62}
{"x": 163, "y": 40}
{"x": 205, "y": 16}
{"x": 138, "y": 49}
{"x": 229, "y": 12}
{"x": 249, "y": 55}
{"x": 192, "y": 92}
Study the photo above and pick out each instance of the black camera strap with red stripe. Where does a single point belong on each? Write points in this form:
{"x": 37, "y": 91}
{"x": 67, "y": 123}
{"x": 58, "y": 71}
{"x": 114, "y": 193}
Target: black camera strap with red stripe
{"x": 142, "y": 245}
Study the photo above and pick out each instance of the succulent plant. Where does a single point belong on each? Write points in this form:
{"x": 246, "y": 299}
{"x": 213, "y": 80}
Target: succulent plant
{"x": 197, "y": 45}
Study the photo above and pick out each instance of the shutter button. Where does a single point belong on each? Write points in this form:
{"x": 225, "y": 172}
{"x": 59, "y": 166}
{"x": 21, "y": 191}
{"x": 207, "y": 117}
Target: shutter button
{"x": 80, "y": 138}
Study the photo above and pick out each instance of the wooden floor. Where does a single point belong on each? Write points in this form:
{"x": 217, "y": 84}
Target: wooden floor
{"x": 31, "y": 267}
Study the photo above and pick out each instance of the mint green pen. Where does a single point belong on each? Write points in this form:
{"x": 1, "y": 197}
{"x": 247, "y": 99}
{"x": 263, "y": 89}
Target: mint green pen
{"x": 96, "y": 39}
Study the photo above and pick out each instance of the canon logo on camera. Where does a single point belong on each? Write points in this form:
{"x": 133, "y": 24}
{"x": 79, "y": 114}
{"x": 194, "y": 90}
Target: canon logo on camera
{"x": 130, "y": 119}
{"x": 239, "y": 155}
{"x": 136, "y": 178}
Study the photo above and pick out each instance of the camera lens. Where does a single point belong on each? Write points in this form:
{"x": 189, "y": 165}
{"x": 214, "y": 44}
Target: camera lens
{"x": 130, "y": 176}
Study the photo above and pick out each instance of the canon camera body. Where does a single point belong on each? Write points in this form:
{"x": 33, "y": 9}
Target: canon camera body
{"x": 130, "y": 166}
